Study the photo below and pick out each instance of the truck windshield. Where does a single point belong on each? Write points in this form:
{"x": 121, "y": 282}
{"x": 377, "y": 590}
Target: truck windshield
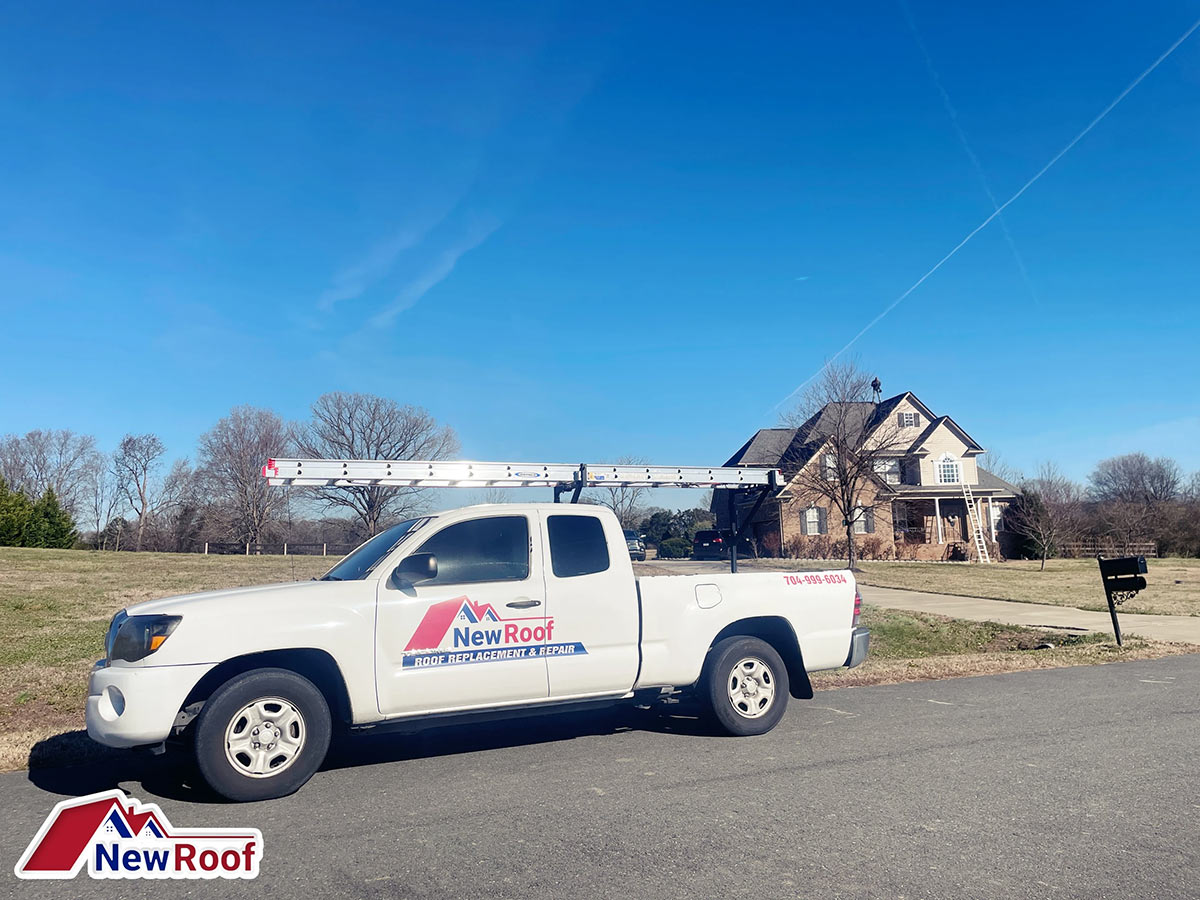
{"x": 359, "y": 563}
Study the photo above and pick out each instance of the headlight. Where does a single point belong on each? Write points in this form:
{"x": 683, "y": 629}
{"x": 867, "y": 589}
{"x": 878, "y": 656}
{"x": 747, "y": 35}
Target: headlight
{"x": 135, "y": 637}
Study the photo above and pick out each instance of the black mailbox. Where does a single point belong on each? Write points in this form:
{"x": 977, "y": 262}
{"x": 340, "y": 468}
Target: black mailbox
{"x": 1122, "y": 565}
{"x": 1122, "y": 577}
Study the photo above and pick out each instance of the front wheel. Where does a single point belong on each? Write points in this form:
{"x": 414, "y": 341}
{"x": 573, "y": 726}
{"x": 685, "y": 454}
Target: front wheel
{"x": 745, "y": 686}
{"x": 262, "y": 735}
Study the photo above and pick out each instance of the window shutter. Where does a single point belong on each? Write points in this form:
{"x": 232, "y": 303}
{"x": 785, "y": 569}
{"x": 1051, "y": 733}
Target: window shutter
{"x": 822, "y": 521}
{"x": 900, "y": 419}
{"x": 870, "y": 514}
{"x": 804, "y": 521}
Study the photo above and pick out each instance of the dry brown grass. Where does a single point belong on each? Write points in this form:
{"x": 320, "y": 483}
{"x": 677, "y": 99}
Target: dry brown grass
{"x": 932, "y": 668}
{"x": 55, "y": 606}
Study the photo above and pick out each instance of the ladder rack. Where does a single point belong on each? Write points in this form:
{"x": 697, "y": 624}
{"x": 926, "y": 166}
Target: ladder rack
{"x": 561, "y": 476}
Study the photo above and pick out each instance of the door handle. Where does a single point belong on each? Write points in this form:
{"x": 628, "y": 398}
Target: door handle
{"x": 524, "y": 604}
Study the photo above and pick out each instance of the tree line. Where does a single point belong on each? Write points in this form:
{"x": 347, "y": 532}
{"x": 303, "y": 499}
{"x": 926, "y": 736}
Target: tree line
{"x": 1128, "y": 500}
{"x": 57, "y": 488}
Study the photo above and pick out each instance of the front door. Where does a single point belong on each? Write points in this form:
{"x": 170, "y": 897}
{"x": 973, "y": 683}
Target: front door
{"x": 473, "y": 635}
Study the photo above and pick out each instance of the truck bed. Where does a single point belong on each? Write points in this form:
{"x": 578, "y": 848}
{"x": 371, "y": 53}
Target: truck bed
{"x": 681, "y": 614}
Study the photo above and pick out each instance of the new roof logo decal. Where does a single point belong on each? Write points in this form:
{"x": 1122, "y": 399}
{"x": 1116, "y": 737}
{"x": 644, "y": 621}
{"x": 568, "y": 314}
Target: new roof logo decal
{"x": 119, "y": 837}
{"x": 457, "y": 632}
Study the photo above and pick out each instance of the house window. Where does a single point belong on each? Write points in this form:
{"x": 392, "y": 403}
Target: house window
{"x": 830, "y": 463}
{"x": 900, "y": 521}
{"x": 888, "y": 470}
{"x": 860, "y": 520}
{"x": 812, "y": 521}
{"x": 948, "y": 470}
{"x": 908, "y": 420}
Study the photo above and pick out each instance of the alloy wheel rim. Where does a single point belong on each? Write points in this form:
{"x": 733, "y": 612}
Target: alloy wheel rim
{"x": 264, "y": 737}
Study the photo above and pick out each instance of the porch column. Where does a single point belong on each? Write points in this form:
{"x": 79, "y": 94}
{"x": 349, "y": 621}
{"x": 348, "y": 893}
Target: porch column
{"x": 991, "y": 519}
{"x": 937, "y": 515}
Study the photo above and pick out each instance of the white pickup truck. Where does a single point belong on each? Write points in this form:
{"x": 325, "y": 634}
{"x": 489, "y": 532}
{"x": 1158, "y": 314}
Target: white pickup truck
{"x": 486, "y": 608}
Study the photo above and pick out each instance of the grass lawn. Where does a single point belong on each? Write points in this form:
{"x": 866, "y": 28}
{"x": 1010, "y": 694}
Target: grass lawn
{"x": 56, "y": 604}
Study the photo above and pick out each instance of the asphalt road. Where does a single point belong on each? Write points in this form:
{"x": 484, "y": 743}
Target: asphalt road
{"x": 1074, "y": 782}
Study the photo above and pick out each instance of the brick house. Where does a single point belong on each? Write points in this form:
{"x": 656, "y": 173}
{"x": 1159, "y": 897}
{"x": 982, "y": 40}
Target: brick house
{"x": 916, "y": 507}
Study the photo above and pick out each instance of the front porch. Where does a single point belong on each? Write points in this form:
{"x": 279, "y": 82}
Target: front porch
{"x": 937, "y": 527}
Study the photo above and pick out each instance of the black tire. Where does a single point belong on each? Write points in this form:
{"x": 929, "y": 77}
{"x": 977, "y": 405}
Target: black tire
{"x": 227, "y": 768}
{"x": 728, "y": 666}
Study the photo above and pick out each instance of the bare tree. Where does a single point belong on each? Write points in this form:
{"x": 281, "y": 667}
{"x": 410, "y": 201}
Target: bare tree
{"x": 363, "y": 426}
{"x": 103, "y": 496}
{"x": 174, "y": 515}
{"x": 625, "y": 502}
{"x": 232, "y": 454}
{"x": 848, "y": 441}
{"x": 1136, "y": 478}
{"x": 57, "y": 460}
{"x": 1048, "y": 512}
{"x": 1133, "y": 494}
{"x": 995, "y": 463}
{"x": 136, "y": 459}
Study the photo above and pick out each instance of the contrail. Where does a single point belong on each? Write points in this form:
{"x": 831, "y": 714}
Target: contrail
{"x": 952, "y": 112}
{"x": 999, "y": 209}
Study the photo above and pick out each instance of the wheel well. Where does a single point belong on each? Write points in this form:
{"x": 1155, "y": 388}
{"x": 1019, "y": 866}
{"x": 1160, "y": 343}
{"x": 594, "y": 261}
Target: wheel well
{"x": 777, "y": 632}
{"x": 316, "y": 665}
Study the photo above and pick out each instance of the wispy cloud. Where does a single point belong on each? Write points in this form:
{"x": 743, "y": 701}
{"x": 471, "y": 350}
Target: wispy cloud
{"x": 377, "y": 263}
{"x": 437, "y": 270}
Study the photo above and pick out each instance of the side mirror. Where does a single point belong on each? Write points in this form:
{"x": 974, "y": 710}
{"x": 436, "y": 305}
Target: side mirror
{"x": 415, "y": 569}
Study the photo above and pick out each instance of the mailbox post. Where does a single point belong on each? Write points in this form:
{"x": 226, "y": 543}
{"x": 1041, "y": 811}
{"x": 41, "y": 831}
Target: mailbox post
{"x": 1123, "y": 578}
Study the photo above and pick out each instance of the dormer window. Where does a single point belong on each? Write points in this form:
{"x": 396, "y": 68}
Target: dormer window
{"x": 909, "y": 420}
{"x": 949, "y": 470}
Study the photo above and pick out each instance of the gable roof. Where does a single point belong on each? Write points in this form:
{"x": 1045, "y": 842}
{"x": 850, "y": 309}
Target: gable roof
{"x": 937, "y": 423}
{"x": 766, "y": 448}
{"x": 790, "y": 448}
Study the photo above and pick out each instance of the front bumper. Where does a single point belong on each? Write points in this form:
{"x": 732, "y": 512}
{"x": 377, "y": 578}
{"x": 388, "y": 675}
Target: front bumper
{"x": 860, "y": 641}
{"x": 132, "y": 705}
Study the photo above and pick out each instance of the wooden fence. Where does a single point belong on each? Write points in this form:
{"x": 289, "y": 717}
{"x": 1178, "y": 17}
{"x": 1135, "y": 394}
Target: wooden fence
{"x": 307, "y": 548}
{"x": 1100, "y": 547}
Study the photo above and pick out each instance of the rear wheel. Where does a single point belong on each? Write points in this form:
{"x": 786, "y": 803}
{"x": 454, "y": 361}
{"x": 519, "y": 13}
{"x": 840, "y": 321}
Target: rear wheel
{"x": 745, "y": 686}
{"x": 262, "y": 735}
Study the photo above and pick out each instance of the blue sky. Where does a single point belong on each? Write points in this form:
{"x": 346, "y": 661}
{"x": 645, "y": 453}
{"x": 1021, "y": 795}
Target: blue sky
{"x": 580, "y": 232}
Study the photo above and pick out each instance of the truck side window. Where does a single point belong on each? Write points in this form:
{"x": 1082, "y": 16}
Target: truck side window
{"x": 577, "y": 545}
{"x": 494, "y": 549}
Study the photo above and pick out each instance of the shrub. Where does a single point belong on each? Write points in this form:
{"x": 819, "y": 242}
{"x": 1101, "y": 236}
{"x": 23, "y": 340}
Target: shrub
{"x": 674, "y": 548}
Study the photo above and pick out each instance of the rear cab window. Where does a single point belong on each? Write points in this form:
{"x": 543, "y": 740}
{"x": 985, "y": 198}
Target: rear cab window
{"x": 577, "y": 546}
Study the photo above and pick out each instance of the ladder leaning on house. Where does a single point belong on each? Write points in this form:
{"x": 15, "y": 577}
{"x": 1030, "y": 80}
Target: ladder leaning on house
{"x": 976, "y": 523}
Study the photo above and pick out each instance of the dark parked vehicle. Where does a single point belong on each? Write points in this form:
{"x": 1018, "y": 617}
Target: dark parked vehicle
{"x": 709, "y": 545}
{"x": 635, "y": 545}
{"x": 715, "y": 545}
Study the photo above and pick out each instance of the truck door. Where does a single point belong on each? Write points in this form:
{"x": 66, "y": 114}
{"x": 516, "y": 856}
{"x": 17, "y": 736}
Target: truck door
{"x": 474, "y": 634}
{"x": 592, "y": 605}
